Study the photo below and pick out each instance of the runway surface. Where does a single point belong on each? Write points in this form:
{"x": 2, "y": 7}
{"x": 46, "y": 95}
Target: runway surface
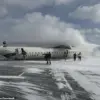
{"x": 63, "y": 80}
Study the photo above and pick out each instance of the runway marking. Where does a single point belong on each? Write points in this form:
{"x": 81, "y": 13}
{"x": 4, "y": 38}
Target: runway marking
{"x": 11, "y": 77}
{"x": 21, "y": 74}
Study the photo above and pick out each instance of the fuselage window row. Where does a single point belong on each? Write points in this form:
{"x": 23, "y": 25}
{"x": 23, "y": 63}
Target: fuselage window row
{"x": 41, "y": 53}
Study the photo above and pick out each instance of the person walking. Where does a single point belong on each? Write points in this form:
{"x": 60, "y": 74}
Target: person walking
{"x": 79, "y": 56}
{"x": 49, "y": 58}
{"x": 23, "y": 53}
{"x": 74, "y": 56}
{"x": 46, "y": 57}
{"x": 65, "y": 54}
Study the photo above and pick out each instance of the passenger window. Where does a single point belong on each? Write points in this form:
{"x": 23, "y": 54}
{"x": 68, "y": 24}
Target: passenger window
{"x": 32, "y": 53}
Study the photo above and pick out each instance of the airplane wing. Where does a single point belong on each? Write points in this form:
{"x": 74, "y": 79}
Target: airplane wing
{"x": 9, "y": 55}
{"x": 62, "y": 47}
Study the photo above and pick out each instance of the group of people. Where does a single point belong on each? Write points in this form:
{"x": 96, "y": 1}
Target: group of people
{"x": 79, "y": 56}
{"x": 23, "y": 52}
{"x": 47, "y": 56}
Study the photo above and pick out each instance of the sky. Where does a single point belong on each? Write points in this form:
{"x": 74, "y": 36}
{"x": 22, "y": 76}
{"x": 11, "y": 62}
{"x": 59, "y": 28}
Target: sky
{"x": 50, "y": 21}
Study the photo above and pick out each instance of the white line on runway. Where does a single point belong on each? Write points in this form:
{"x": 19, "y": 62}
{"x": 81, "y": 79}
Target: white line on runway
{"x": 21, "y": 74}
{"x": 11, "y": 77}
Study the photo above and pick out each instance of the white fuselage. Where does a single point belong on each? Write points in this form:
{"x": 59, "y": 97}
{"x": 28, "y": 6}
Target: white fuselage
{"x": 36, "y": 53}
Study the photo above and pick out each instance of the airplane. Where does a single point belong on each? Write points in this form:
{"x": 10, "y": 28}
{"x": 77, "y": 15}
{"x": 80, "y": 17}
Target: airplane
{"x": 34, "y": 53}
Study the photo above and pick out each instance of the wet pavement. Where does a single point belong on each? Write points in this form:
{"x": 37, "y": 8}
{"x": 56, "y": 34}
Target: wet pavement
{"x": 38, "y": 81}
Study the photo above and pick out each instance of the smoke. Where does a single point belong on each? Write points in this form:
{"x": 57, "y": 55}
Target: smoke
{"x": 96, "y": 51}
{"x": 47, "y": 29}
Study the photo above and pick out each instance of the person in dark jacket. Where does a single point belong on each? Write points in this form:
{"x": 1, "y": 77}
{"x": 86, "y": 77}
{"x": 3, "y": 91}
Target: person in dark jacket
{"x": 74, "y": 56}
{"x": 65, "y": 54}
{"x": 79, "y": 56}
{"x": 23, "y": 53}
{"x": 47, "y": 57}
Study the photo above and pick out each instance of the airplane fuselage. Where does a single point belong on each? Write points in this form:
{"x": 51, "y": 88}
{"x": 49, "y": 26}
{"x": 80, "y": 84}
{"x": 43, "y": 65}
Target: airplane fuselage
{"x": 35, "y": 53}
{"x": 32, "y": 53}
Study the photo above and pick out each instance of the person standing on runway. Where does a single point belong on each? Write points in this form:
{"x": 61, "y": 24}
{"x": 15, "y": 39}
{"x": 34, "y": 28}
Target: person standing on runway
{"x": 74, "y": 56}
